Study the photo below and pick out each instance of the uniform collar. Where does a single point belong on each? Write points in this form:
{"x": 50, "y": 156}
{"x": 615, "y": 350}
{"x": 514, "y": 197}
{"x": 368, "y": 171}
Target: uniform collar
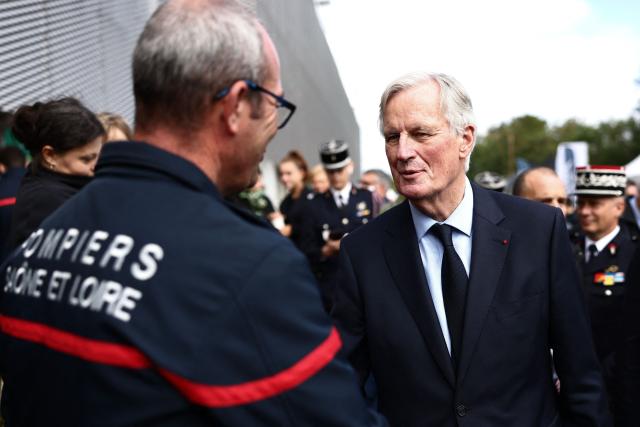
{"x": 604, "y": 241}
{"x": 345, "y": 192}
{"x": 147, "y": 160}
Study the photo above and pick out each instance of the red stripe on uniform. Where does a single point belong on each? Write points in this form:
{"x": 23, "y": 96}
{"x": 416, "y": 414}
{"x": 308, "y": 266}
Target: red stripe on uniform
{"x": 202, "y": 394}
{"x": 254, "y": 391}
{"x": 8, "y": 201}
{"x": 75, "y": 345}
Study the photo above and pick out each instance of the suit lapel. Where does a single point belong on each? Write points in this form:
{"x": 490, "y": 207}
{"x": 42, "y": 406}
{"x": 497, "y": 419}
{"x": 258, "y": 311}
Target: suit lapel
{"x": 405, "y": 264}
{"x": 490, "y": 245}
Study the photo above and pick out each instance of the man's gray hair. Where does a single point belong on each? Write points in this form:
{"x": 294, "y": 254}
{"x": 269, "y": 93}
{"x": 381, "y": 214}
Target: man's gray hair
{"x": 455, "y": 103}
{"x": 382, "y": 176}
{"x": 187, "y": 54}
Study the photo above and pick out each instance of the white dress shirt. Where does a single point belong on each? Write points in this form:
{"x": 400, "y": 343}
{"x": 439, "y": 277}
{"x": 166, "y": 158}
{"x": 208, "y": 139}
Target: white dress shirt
{"x": 600, "y": 244}
{"x": 431, "y": 250}
{"x": 344, "y": 193}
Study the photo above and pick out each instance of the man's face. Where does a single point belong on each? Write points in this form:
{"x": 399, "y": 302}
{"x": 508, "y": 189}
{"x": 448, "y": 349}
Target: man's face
{"x": 425, "y": 155}
{"x": 598, "y": 216}
{"x": 371, "y": 182}
{"x": 546, "y": 188}
{"x": 338, "y": 178}
{"x": 262, "y": 125}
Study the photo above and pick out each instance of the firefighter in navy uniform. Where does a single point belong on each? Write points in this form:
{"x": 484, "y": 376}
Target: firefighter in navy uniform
{"x": 604, "y": 248}
{"x": 146, "y": 299}
{"x": 330, "y": 216}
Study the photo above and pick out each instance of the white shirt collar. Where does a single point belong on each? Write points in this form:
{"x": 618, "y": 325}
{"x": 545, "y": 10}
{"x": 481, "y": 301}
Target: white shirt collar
{"x": 461, "y": 218}
{"x": 345, "y": 192}
{"x": 603, "y": 242}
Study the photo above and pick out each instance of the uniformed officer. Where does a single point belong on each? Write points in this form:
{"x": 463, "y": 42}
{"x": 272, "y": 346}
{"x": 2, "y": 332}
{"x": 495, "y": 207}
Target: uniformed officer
{"x": 604, "y": 249}
{"x": 332, "y": 215}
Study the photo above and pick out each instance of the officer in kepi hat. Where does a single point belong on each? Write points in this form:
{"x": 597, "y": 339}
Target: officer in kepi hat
{"x": 491, "y": 181}
{"x": 333, "y": 214}
{"x": 604, "y": 248}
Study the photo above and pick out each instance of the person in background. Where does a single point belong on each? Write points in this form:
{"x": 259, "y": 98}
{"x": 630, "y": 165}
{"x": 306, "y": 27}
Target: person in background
{"x": 453, "y": 299}
{"x": 12, "y": 169}
{"x": 542, "y": 184}
{"x": 319, "y": 179}
{"x": 631, "y": 190}
{"x": 293, "y": 175}
{"x": 64, "y": 139}
{"x": 255, "y": 200}
{"x": 380, "y": 185}
{"x": 331, "y": 215}
{"x": 604, "y": 250}
{"x": 631, "y": 215}
{"x": 164, "y": 305}
{"x": 115, "y": 126}
{"x": 491, "y": 181}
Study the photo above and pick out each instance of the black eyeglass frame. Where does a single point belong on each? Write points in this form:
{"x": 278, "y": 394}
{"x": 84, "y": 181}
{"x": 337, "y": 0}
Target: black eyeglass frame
{"x": 280, "y": 101}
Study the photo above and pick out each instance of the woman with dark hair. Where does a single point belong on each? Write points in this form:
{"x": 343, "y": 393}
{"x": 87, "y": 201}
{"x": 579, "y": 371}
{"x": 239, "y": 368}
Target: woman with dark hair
{"x": 64, "y": 139}
{"x": 293, "y": 175}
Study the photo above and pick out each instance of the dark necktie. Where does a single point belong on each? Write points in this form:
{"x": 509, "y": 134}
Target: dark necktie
{"x": 454, "y": 289}
{"x": 593, "y": 252}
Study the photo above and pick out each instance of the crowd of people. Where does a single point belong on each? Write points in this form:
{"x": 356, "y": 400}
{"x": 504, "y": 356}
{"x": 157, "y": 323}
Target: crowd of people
{"x": 148, "y": 280}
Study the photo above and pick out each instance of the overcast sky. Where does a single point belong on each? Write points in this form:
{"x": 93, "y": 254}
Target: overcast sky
{"x": 555, "y": 59}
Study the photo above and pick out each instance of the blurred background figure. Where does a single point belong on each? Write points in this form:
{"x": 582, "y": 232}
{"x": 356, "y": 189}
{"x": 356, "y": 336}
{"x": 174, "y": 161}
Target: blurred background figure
{"x": 254, "y": 200}
{"x": 318, "y": 179}
{"x": 491, "y": 181}
{"x": 64, "y": 139}
{"x": 293, "y": 172}
{"x": 115, "y": 126}
{"x": 12, "y": 169}
{"x": 380, "y": 185}
{"x": 604, "y": 251}
{"x": 631, "y": 190}
{"x": 542, "y": 184}
{"x": 331, "y": 215}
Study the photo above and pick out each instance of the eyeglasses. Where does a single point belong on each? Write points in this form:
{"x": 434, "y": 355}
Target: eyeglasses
{"x": 285, "y": 109}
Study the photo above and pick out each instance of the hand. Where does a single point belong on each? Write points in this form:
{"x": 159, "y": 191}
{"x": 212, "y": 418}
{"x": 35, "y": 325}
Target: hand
{"x": 331, "y": 248}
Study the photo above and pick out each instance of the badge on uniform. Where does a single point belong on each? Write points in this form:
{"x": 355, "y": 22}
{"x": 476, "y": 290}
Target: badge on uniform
{"x": 362, "y": 209}
{"x": 609, "y": 277}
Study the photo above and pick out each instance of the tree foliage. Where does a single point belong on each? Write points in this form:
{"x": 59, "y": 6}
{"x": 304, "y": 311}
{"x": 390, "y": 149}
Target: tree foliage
{"x": 528, "y": 137}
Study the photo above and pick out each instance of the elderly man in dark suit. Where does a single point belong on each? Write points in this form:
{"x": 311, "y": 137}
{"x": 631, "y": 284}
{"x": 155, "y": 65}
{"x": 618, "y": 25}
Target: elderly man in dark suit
{"x": 453, "y": 300}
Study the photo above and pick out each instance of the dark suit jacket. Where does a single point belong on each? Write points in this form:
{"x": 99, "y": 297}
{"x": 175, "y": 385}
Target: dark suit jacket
{"x": 524, "y": 297}
{"x": 628, "y": 356}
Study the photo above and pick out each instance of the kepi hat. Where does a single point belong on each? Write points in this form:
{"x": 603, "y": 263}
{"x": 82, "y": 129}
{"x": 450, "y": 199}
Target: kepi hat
{"x": 335, "y": 154}
{"x": 490, "y": 180}
{"x": 597, "y": 180}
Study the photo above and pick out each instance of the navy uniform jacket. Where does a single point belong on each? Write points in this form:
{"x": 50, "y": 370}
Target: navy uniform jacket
{"x": 323, "y": 220}
{"x": 605, "y": 281}
{"x": 147, "y": 300}
{"x": 524, "y": 297}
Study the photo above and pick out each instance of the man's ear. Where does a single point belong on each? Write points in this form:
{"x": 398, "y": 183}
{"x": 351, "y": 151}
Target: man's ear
{"x": 235, "y": 106}
{"x": 468, "y": 140}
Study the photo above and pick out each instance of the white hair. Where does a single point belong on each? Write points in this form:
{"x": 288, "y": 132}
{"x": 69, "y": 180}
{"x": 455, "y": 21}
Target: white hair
{"x": 455, "y": 103}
